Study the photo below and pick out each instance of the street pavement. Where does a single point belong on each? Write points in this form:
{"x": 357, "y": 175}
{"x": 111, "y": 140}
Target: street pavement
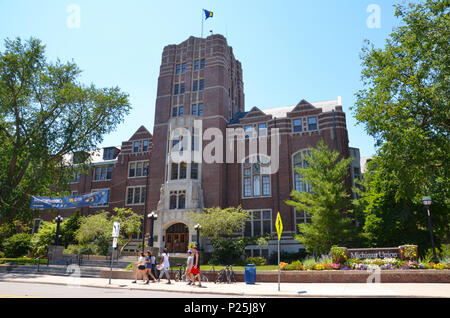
{"x": 239, "y": 289}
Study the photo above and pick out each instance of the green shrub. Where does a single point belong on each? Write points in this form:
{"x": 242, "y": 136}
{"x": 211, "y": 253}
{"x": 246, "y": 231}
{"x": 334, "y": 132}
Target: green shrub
{"x": 257, "y": 261}
{"x": 17, "y": 245}
{"x": 22, "y": 261}
{"x": 227, "y": 252}
{"x": 43, "y": 238}
{"x": 296, "y": 265}
{"x": 129, "y": 267}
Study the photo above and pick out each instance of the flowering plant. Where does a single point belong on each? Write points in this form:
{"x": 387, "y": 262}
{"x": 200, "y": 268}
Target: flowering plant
{"x": 336, "y": 266}
{"x": 338, "y": 254}
{"x": 319, "y": 267}
{"x": 361, "y": 267}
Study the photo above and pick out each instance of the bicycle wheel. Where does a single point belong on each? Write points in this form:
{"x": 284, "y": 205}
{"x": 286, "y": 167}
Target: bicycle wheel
{"x": 204, "y": 278}
{"x": 178, "y": 277}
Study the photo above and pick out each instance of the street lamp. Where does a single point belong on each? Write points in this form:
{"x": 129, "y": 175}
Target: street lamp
{"x": 152, "y": 216}
{"x": 197, "y": 227}
{"x": 58, "y": 220}
{"x": 426, "y": 201}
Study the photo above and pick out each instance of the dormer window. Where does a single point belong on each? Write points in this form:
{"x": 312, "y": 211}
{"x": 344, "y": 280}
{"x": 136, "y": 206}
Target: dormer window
{"x": 108, "y": 153}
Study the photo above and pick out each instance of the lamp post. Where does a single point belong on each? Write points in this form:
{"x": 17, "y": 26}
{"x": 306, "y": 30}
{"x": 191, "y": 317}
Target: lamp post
{"x": 58, "y": 220}
{"x": 197, "y": 227}
{"x": 426, "y": 201}
{"x": 152, "y": 217}
{"x": 143, "y": 231}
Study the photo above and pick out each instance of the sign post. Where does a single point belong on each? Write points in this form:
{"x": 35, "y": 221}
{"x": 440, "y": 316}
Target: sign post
{"x": 115, "y": 235}
{"x": 279, "y": 227}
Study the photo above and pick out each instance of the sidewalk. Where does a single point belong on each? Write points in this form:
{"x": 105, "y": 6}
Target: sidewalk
{"x": 242, "y": 289}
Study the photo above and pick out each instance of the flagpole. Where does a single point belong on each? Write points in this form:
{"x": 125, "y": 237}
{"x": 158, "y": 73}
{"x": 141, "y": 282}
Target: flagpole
{"x": 202, "y": 23}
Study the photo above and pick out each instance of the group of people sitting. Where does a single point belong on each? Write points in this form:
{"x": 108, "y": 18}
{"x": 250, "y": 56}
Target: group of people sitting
{"x": 146, "y": 266}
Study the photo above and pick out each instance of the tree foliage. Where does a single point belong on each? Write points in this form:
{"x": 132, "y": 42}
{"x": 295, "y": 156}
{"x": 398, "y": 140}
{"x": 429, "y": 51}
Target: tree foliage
{"x": 327, "y": 204}
{"x": 45, "y": 114}
{"x": 404, "y": 105}
{"x": 216, "y": 222}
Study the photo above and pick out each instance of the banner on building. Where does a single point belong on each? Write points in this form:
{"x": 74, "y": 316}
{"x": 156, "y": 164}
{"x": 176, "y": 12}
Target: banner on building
{"x": 70, "y": 202}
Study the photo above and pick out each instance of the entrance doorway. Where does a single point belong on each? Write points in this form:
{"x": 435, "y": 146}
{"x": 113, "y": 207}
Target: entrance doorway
{"x": 177, "y": 238}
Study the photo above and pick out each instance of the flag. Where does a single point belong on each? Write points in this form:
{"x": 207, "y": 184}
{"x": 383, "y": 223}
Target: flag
{"x": 208, "y": 14}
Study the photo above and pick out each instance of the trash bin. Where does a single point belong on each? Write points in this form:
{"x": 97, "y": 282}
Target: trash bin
{"x": 250, "y": 274}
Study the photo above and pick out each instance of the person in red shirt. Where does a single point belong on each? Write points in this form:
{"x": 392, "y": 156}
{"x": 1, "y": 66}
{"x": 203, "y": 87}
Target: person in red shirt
{"x": 195, "y": 270}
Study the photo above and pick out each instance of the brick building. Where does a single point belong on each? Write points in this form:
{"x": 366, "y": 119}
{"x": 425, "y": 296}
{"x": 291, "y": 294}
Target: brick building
{"x": 200, "y": 86}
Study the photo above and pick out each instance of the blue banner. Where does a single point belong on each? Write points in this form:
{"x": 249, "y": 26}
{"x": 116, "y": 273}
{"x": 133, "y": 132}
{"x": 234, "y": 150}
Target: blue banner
{"x": 71, "y": 202}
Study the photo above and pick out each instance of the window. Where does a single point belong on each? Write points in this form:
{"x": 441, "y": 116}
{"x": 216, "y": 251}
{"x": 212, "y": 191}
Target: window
{"x": 200, "y": 109}
{"x": 256, "y": 178}
{"x": 177, "y": 200}
{"x": 262, "y": 129}
{"x": 175, "y": 112}
{"x": 138, "y": 169}
{"x": 297, "y": 125}
{"x": 183, "y": 68}
{"x": 194, "y": 110}
{"x": 248, "y": 131}
{"x": 103, "y": 173}
{"x": 140, "y": 145}
{"x": 201, "y": 85}
{"x": 108, "y": 153}
{"x": 176, "y": 89}
{"x": 182, "y": 88}
{"x": 76, "y": 177}
{"x": 177, "y": 70}
{"x": 174, "y": 171}
{"x": 202, "y": 64}
{"x": 312, "y": 123}
{"x": 136, "y": 195}
{"x": 298, "y": 162}
{"x": 301, "y": 217}
{"x": 180, "y": 111}
{"x": 183, "y": 169}
{"x": 195, "y": 86}
{"x": 197, "y": 110}
{"x": 259, "y": 224}
{"x": 196, "y": 65}
{"x": 194, "y": 170}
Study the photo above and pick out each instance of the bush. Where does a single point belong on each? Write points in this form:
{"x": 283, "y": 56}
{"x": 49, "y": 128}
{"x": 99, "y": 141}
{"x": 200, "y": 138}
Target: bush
{"x": 43, "y": 238}
{"x": 22, "y": 261}
{"x": 257, "y": 261}
{"x": 227, "y": 252}
{"x": 17, "y": 245}
{"x": 286, "y": 257}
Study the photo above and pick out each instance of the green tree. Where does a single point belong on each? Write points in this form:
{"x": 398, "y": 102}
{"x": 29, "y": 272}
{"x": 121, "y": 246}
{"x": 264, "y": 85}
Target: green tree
{"x": 219, "y": 225}
{"x": 45, "y": 114}
{"x": 327, "y": 203}
{"x": 404, "y": 105}
{"x": 43, "y": 238}
{"x": 68, "y": 229}
{"x": 95, "y": 230}
{"x": 130, "y": 224}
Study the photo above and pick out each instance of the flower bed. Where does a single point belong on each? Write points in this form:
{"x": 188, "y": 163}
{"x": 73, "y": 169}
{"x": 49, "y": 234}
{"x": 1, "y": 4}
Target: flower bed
{"x": 366, "y": 264}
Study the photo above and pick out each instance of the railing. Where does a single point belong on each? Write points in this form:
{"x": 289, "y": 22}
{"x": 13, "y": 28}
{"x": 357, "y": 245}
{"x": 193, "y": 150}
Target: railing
{"x": 80, "y": 256}
{"x": 38, "y": 260}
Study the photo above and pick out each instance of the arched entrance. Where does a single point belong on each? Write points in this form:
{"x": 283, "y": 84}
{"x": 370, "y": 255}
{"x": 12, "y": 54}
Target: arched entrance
{"x": 177, "y": 238}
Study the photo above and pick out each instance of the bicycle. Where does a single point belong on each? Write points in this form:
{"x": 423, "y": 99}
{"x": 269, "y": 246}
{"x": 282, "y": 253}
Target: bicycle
{"x": 226, "y": 275}
{"x": 180, "y": 274}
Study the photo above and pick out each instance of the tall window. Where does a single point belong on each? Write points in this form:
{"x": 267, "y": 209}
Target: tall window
{"x": 176, "y": 89}
{"x": 136, "y": 195}
{"x": 196, "y": 65}
{"x": 312, "y": 123}
{"x": 299, "y": 161}
{"x": 103, "y": 173}
{"x": 201, "y": 85}
{"x": 195, "y": 86}
{"x": 197, "y": 110}
{"x": 177, "y": 200}
{"x": 202, "y": 64}
{"x": 297, "y": 125}
{"x": 301, "y": 217}
{"x": 178, "y": 171}
{"x": 177, "y": 69}
{"x": 259, "y": 224}
{"x": 194, "y": 170}
{"x": 262, "y": 130}
{"x": 256, "y": 177}
{"x": 183, "y": 68}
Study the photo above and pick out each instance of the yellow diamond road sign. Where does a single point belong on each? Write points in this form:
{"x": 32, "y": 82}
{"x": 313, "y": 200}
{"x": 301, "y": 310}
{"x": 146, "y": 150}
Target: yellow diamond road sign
{"x": 279, "y": 226}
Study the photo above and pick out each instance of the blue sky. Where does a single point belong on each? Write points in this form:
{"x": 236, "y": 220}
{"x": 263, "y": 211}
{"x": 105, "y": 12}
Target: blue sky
{"x": 290, "y": 50}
